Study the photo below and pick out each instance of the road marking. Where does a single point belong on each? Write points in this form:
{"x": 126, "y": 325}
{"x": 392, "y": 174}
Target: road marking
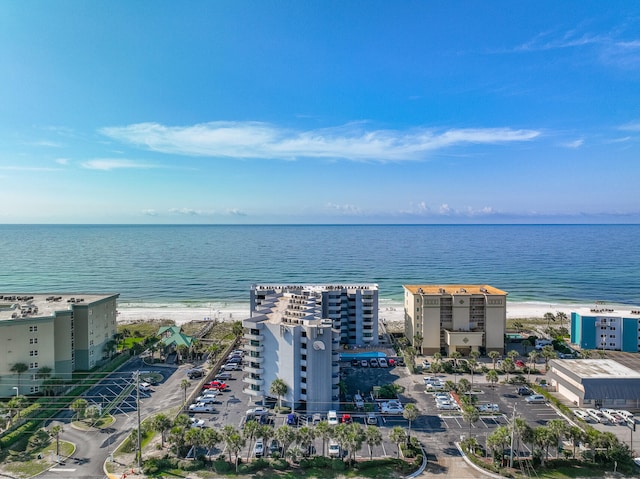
{"x": 59, "y": 469}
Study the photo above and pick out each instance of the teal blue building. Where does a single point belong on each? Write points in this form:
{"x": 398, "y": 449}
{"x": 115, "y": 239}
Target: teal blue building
{"x": 607, "y": 329}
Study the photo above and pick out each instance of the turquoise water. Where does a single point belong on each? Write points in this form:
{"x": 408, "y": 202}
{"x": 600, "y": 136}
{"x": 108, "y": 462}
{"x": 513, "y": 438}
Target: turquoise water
{"x": 366, "y": 355}
{"x": 195, "y": 265}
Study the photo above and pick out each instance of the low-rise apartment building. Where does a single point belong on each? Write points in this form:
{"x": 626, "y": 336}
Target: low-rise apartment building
{"x": 448, "y": 318}
{"x": 352, "y": 308}
{"x": 605, "y": 328}
{"x": 64, "y": 332}
{"x": 288, "y": 338}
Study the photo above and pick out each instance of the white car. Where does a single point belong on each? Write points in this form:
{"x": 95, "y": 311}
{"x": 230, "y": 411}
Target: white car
{"x": 334, "y": 449}
{"x": 434, "y": 387}
{"x": 392, "y": 407}
{"x": 536, "y": 399}
{"x": 372, "y": 419}
{"x": 258, "y": 449}
{"x": 382, "y": 362}
{"x": 447, "y": 405}
{"x": 627, "y": 415}
{"x": 358, "y": 401}
{"x": 201, "y": 407}
{"x": 257, "y": 411}
{"x": 489, "y": 408}
{"x": 332, "y": 418}
{"x": 579, "y": 413}
{"x": 426, "y": 364}
{"x": 597, "y": 415}
{"x": 612, "y": 416}
{"x": 207, "y": 399}
{"x": 195, "y": 422}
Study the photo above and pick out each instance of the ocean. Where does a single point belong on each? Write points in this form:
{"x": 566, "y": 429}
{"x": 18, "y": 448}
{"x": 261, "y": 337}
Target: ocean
{"x": 200, "y": 265}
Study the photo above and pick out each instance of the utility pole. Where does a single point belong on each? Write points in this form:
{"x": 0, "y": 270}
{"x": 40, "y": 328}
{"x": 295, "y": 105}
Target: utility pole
{"x": 138, "y": 409}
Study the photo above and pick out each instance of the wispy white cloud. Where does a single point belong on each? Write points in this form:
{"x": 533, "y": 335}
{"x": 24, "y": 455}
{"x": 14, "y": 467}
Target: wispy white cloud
{"x": 573, "y": 144}
{"x": 236, "y": 212}
{"x": 624, "y": 139}
{"x": 263, "y": 140}
{"x": 186, "y": 211}
{"x": 28, "y": 168}
{"x": 150, "y": 212}
{"x": 344, "y": 209}
{"x": 633, "y": 126}
{"x": 62, "y": 161}
{"x": 108, "y": 164}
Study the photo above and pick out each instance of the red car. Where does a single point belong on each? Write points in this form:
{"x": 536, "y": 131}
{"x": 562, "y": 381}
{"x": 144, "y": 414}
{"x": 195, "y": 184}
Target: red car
{"x": 346, "y": 418}
{"x": 392, "y": 362}
{"x": 220, "y": 386}
{"x": 520, "y": 364}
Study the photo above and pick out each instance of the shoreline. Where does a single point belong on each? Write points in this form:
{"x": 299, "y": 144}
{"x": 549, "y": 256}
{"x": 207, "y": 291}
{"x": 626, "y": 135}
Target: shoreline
{"x": 391, "y": 312}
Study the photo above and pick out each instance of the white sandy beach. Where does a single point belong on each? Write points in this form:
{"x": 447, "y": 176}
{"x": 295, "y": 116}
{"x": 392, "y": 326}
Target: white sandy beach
{"x": 390, "y": 313}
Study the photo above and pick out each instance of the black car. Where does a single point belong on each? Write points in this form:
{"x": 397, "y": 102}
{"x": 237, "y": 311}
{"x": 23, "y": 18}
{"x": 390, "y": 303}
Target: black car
{"x": 524, "y": 391}
{"x": 195, "y": 373}
{"x": 355, "y": 363}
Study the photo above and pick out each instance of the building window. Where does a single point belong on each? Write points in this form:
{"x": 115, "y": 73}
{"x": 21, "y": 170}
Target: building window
{"x": 33, "y": 340}
{"x": 33, "y": 365}
{"x": 33, "y": 329}
{"x": 33, "y": 352}
{"x": 35, "y": 389}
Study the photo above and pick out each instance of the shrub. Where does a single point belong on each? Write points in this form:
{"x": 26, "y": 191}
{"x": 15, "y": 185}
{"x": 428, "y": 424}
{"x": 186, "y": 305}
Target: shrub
{"x": 338, "y": 465}
{"x": 279, "y": 464}
{"x": 221, "y": 466}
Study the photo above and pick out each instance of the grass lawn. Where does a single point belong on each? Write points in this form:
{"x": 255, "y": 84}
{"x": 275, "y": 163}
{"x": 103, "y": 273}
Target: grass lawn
{"x": 27, "y": 464}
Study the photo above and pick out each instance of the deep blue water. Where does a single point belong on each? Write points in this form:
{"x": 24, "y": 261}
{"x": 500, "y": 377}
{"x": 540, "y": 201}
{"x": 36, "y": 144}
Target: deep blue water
{"x": 169, "y": 264}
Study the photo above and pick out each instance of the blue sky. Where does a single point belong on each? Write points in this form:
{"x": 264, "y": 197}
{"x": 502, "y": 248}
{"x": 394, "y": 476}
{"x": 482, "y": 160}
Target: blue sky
{"x": 320, "y": 112}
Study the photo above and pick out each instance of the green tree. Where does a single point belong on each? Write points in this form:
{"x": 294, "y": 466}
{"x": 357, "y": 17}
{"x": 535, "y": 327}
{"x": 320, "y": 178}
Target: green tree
{"x": 55, "y": 431}
{"x": 471, "y": 415}
{"x": 213, "y": 350}
{"x": 464, "y": 386}
{"x": 494, "y": 355}
{"x": 44, "y": 373}
{"x": 549, "y": 317}
{"x": 410, "y": 413}
{"x": 79, "y": 407}
{"x": 548, "y": 353}
{"x": 185, "y": 385}
{"x": 304, "y": 437}
{"x": 492, "y": 377}
{"x": 576, "y": 435}
{"x": 19, "y": 369}
{"x": 473, "y": 364}
{"x": 562, "y": 318}
{"x": 324, "y": 431}
{"x": 161, "y": 423}
{"x": 497, "y": 440}
{"x": 237, "y": 329}
{"x": 522, "y": 431}
{"x": 233, "y": 441}
{"x": 417, "y": 342}
{"x": 193, "y": 437}
{"x": 398, "y": 435}
{"x": 285, "y": 436}
{"x": 279, "y": 388}
{"x": 250, "y": 432}
{"x": 177, "y": 439}
{"x": 110, "y": 347}
{"x": 373, "y": 437}
{"x": 517, "y": 325}
{"x": 508, "y": 366}
{"x": 210, "y": 438}
{"x": 526, "y": 344}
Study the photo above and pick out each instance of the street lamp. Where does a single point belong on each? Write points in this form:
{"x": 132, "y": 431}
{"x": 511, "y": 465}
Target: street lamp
{"x": 17, "y": 390}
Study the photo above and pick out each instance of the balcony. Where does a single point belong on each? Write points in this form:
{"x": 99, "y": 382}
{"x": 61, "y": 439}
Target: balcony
{"x": 253, "y": 370}
{"x": 256, "y": 349}
{"x": 258, "y": 360}
{"x": 253, "y": 392}
{"x": 253, "y": 337}
{"x": 254, "y": 381}
{"x": 303, "y": 362}
{"x": 303, "y": 374}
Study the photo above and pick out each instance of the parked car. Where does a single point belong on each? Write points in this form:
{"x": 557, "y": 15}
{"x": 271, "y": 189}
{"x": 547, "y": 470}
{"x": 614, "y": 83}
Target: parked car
{"x": 145, "y": 387}
{"x": 358, "y": 401}
{"x": 355, "y": 363}
{"x": 257, "y": 411}
{"x": 597, "y": 415}
{"x": 434, "y": 387}
{"x": 373, "y": 362}
{"x": 219, "y": 385}
{"x": 292, "y": 419}
{"x": 400, "y": 362}
{"x": 332, "y": 417}
{"x": 392, "y": 407}
{"x": 231, "y": 367}
{"x": 447, "y": 405}
{"x": 334, "y": 449}
{"x": 524, "y": 391}
{"x": 364, "y": 363}
{"x": 627, "y": 415}
{"x": 207, "y": 399}
{"x": 317, "y": 418}
{"x": 612, "y": 416}
{"x": 382, "y": 362}
{"x": 579, "y": 413}
{"x": 223, "y": 376}
{"x": 392, "y": 362}
{"x": 346, "y": 419}
{"x": 274, "y": 446}
{"x": 195, "y": 373}
{"x": 201, "y": 407}
{"x": 372, "y": 419}
{"x": 536, "y": 399}
{"x": 195, "y": 422}
{"x": 258, "y": 449}
{"x": 426, "y": 364}
{"x": 489, "y": 408}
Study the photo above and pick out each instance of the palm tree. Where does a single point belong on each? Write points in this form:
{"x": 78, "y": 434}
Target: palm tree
{"x": 455, "y": 355}
{"x": 471, "y": 415}
{"x": 55, "y": 431}
{"x": 508, "y": 366}
{"x": 184, "y": 385}
{"x": 544, "y": 438}
{"x": 210, "y": 438}
{"x": 109, "y": 347}
{"x": 213, "y": 350}
{"x": 266, "y": 432}
{"x": 304, "y": 438}
{"x": 548, "y": 353}
{"x": 324, "y": 431}
{"x": 410, "y": 413}
{"x": 557, "y": 428}
{"x": 494, "y": 355}
{"x": 576, "y": 435}
{"x": 533, "y": 356}
{"x": 79, "y": 406}
{"x": 522, "y": 431}
{"x": 464, "y": 386}
{"x": 250, "y": 432}
{"x": 285, "y": 436}
{"x": 417, "y": 342}
{"x": 193, "y": 437}
{"x": 44, "y": 373}
{"x": 19, "y": 369}
{"x": 373, "y": 437}
{"x": 498, "y": 439}
{"x": 548, "y": 317}
{"x": 513, "y": 354}
{"x": 233, "y": 441}
{"x": 15, "y": 405}
{"x": 561, "y": 317}
{"x": 237, "y": 329}
{"x": 397, "y": 435}
{"x": 162, "y": 424}
{"x": 473, "y": 364}
{"x": 279, "y": 388}
{"x": 526, "y": 343}
{"x": 492, "y": 377}
{"x": 177, "y": 438}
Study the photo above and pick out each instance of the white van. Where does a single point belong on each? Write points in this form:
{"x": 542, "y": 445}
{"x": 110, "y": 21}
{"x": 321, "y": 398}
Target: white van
{"x": 145, "y": 387}
{"x": 332, "y": 417}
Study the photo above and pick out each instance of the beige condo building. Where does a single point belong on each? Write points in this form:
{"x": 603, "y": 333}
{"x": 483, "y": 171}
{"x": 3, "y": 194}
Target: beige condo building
{"x": 64, "y": 332}
{"x": 448, "y": 318}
